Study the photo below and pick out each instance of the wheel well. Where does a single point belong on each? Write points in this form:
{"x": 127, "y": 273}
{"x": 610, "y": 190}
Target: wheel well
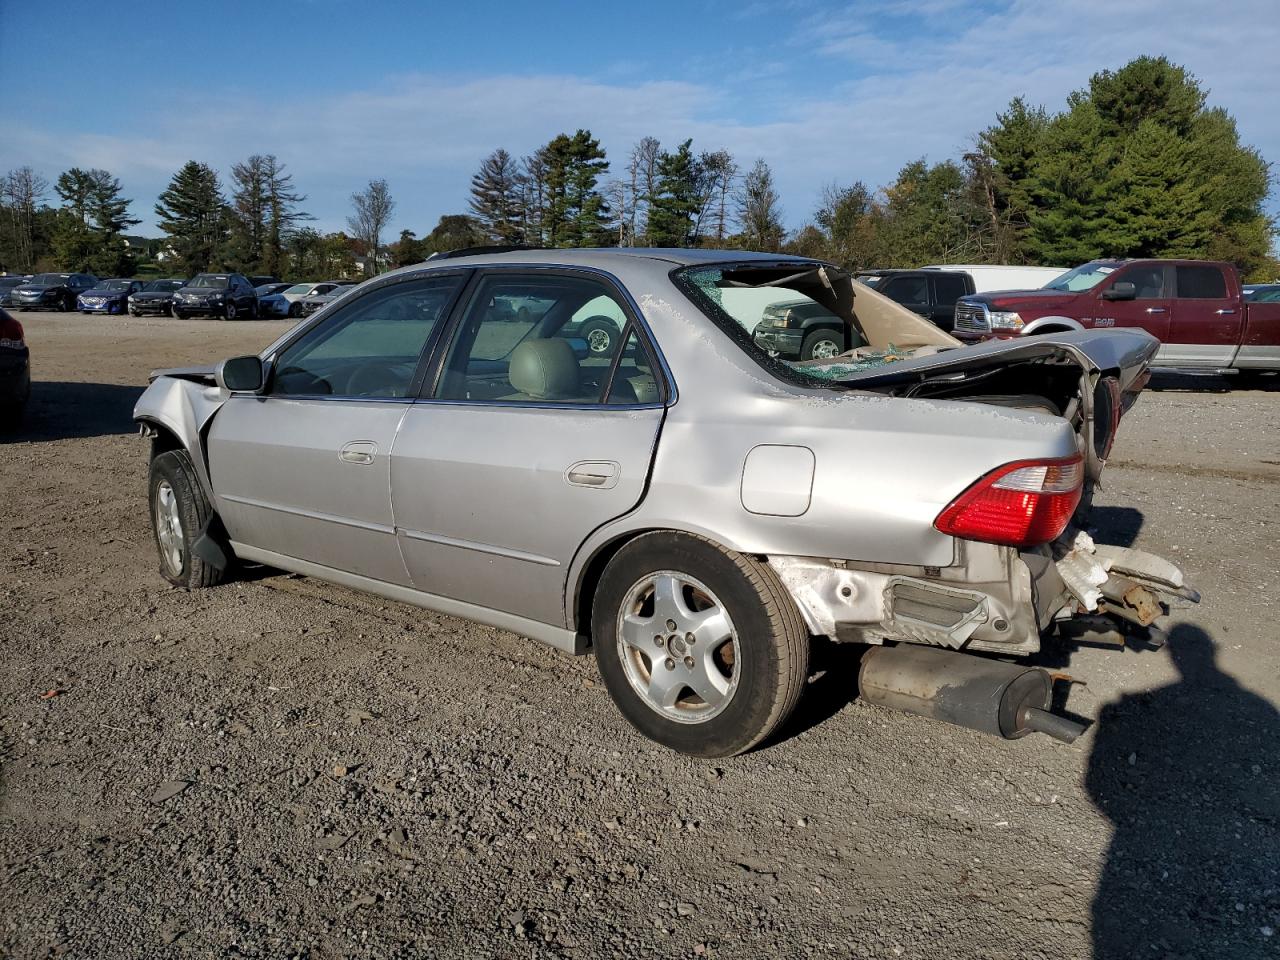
{"x": 590, "y": 579}
{"x": 162, "y": 438}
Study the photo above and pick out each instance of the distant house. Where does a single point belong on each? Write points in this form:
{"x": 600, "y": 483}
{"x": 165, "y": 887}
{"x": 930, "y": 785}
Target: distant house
{"x": 143, "y": 248}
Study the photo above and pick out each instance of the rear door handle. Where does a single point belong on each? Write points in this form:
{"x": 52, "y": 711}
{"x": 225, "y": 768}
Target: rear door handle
{"x": 1224, "y": 312}
{"x": 1156, "y": 310}
{"x": 600, "y": 474}
{"x": 358, "y": 451}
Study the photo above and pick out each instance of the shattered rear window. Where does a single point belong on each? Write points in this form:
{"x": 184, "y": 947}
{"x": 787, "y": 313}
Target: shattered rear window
{"x": 738, "y": 309}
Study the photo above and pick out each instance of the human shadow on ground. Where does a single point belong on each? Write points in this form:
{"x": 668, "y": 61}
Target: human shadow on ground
{"x": 1189, "y": 776}
{"x": 59, "y": 411}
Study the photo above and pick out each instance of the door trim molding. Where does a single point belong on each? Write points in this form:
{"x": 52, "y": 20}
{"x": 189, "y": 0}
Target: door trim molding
{"x": 310, "y": 514}
{"x": 480, "y": 547}
{"x": 565, "y": 640}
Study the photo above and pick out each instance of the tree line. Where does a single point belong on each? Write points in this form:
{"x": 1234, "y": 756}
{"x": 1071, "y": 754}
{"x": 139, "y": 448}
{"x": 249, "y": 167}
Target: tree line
{"x": 1136, "y": 165}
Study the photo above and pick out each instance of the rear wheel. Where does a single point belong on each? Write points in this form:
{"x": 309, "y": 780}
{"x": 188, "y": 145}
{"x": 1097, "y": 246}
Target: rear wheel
{"x": 822, "y": 345}
{"x": 702, "y": 649}
{"x": 179, "y": 512}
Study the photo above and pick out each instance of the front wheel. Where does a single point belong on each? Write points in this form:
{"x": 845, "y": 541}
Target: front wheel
{"x": 822, "y": 345}
{"x": 179, "y": 511}
{"x": 702, "y": 649}
{"x": 295, "y": 310}
{"x": 229, "y": 312}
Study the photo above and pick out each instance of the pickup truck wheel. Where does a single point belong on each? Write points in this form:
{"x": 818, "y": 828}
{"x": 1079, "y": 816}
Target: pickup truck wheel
{"x": 702, "y": 649}
{"x": 179, "y": 511}
{"x": 822, "y": 345}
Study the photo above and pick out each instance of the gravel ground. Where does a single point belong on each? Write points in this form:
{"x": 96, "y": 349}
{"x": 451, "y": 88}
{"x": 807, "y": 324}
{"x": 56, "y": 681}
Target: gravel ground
{"x": 278, "y": 767}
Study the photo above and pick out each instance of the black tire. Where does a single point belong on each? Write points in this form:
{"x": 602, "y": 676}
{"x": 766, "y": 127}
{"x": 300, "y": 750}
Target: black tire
{"x": 68, "y": 305}
{"x": 178, "y": 314}
{"x": 295, "y": 309}
{"x": 229, "y": 312}
{"x": 772, "y": 658}
{"x": 822, "y": 344}
{"x": 601, "y": 335}
{"x": 173, "y": 470}
{"x": 134, "y": 313}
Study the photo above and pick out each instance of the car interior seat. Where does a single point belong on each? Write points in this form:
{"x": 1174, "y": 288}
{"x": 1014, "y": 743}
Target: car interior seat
{"x": 545, "y": 370}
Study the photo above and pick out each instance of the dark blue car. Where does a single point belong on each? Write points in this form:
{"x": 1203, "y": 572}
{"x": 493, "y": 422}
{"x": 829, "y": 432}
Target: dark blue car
{"x": 108, "y": 296}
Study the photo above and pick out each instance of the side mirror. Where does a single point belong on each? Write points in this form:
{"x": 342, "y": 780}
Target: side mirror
{"x": 1120, "y": 290}
{"x": 240, "y": 374}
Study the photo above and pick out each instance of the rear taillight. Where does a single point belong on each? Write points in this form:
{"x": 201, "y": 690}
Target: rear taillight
{"x": 1021, "y": 504}
{"x": 11, "y": 333}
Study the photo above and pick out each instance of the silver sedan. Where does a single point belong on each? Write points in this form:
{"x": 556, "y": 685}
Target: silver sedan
{"x": 689, "y": 504}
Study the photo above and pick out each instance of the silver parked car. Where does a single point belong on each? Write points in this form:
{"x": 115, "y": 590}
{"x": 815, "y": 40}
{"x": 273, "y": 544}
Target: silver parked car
{"x": 691, "y": 506}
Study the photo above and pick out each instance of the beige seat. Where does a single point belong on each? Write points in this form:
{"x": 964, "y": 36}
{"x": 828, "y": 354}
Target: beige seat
{"x": 545, "y": 370}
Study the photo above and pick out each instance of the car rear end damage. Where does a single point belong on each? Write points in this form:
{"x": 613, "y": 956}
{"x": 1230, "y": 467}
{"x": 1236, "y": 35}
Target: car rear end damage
{"x": 1024, "y": 564}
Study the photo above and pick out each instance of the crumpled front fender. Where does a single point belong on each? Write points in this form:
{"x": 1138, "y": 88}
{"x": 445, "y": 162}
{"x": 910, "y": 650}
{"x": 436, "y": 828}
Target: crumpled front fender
{"x": 183, "y": 408}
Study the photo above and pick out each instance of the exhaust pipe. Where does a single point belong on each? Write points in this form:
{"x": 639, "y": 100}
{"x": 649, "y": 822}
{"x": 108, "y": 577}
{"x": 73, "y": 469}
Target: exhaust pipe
{"x": 1001, "y": 699}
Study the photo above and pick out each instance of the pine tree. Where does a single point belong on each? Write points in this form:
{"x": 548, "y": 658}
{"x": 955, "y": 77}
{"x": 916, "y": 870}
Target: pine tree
{"x": 575, "y": 212}
{"x": 674, "y": 207}
{"x": 109, "y": 212}
{"x": 497, "y": 198}
{"x": 759, "y": 212}
{"x": 193, "y": 214}
{"x": 74, "y": 244}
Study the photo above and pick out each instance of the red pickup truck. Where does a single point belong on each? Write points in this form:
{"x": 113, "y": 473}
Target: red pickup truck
{"x": 1195, "y": 308}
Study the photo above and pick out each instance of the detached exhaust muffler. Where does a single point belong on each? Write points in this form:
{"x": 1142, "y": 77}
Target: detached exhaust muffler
{"x": 1002, "y": 699}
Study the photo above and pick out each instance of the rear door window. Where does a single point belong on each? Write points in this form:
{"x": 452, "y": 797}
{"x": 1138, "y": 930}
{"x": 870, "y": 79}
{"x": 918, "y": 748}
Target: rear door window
{"x": 539, "y": 354}
{"x": 1197, "y": 282}
{"x": 908, "y": 291}
{"x": 948, "y": 288}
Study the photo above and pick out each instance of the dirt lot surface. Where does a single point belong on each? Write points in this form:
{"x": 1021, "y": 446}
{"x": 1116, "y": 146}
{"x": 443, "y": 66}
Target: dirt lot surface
{"x": 278, "y": 768}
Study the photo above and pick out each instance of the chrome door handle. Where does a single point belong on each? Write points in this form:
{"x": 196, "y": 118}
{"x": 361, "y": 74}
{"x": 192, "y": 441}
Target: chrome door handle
{"x": 600, "y": 474}
{"x": 1156, "y": 310}
{"x": 1224, "y": 312}
{"x": 358, "y": 451}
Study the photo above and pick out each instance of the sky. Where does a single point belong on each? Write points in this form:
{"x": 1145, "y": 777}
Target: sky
{"x": 343, "y": 91}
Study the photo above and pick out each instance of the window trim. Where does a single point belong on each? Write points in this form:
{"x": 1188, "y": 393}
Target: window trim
{"x": 630, "y": 310}
{"x": 325, "y": 315}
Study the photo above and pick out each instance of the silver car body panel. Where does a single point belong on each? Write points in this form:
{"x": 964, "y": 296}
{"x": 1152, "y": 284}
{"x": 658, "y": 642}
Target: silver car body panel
{"x": 474, "y": 512}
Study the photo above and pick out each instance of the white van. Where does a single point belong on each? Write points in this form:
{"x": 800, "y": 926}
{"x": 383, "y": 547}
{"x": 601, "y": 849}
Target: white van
{"x": 988, "y": 276}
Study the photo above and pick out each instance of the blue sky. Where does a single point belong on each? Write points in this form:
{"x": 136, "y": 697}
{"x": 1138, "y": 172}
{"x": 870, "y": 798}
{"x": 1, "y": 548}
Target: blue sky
{"x": 419, "y": 93}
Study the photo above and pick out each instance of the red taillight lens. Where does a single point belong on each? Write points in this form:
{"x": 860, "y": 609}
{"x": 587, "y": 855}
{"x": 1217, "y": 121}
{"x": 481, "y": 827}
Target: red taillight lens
{"x": 10, "y": 331}
{"x": 1021, "y": 504}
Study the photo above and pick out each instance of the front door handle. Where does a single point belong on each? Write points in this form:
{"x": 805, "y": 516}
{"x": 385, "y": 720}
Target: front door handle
{"x": 1225, "y": 312}
{"x": 1156, "y": 310}
{"x": 358, "y": 451}
{"x": 600, "y": 474}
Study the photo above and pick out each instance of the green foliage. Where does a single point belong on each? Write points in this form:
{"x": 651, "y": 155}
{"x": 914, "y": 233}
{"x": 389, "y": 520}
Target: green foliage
{"x": 193, "y": 214}
{"x": 1138, "y": 166}
{"x": 498, "y": 197}
{"x": 759, "y": 212}
{"x": 89, "y": 231}
{"x": 677, "y": 199}
{"x": 574, "y": 212}
{"x": 455, "y": 231}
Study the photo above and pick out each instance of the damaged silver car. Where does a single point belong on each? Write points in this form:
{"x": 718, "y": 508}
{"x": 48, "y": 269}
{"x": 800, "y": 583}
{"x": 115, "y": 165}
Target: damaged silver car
{"x": 687, "y": 503}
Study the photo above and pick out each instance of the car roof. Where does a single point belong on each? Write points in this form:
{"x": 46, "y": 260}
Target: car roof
{"x": 603, "y": 257}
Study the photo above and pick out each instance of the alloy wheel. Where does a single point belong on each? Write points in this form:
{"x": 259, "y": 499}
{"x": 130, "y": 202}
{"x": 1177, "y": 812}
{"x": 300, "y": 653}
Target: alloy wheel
{"x": 678, "y": 647}
{"x": 169, "y": 528}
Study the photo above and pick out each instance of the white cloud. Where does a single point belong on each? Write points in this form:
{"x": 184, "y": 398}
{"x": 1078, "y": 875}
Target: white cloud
{"x": 917, "y": 85}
